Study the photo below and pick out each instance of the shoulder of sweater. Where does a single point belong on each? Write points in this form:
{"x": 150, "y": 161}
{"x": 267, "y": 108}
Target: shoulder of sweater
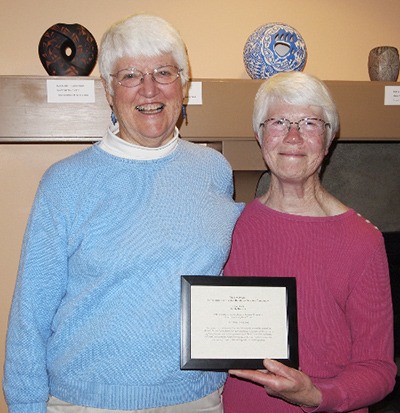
{"x": 87, "y": 156}
{"x": 366, "y": 226}
{"x": 350, "y": 224}
{"x": 78, "y": 169}
{"x": 70, "y": 170}
{"x": 71, "y": 162}
{"x": 203, "y": 151}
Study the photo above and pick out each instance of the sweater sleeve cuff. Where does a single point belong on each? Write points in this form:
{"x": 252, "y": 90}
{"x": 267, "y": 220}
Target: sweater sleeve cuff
{"x": 330, "y": 395}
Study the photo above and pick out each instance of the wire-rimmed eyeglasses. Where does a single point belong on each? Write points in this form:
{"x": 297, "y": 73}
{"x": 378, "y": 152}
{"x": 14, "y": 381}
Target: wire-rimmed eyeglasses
{"x": 307, "y": 127}
{"x": 131, "y": 77}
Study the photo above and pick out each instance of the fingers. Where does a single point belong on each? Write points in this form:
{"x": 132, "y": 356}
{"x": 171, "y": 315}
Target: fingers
{"x": 257, "y": 376}
{"x": 273, "y": 368}
{"x": 279, "y": 369}
{"x": 276, "y": 376}
{"x": 285, "y": 382}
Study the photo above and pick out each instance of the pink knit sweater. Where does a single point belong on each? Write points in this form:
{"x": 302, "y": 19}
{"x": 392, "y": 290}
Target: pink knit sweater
{"x": 345, "y": 318}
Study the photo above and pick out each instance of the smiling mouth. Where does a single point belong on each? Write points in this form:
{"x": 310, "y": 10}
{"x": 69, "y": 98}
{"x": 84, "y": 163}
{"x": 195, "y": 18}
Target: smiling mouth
{"x": 150, "y": 109}
{"x": 291, "y": 154}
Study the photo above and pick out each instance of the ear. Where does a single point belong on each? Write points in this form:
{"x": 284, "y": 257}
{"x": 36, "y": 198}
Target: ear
{"x": 329, "y": 143}
{"x": 259, "y": 139}
{"x": 185, "y": 89}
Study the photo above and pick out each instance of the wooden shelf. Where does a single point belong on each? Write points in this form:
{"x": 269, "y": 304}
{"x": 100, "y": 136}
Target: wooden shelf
{"x": 223, "y": 121}
{"x": 225, "y": 113}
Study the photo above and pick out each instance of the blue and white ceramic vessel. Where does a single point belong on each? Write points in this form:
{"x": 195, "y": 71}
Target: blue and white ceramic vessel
{"x": 274, "y": 48}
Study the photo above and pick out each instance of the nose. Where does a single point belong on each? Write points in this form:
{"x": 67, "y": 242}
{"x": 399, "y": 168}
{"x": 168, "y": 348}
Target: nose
{"x": 293, "y": 136}
{"x": 148, "y": 85}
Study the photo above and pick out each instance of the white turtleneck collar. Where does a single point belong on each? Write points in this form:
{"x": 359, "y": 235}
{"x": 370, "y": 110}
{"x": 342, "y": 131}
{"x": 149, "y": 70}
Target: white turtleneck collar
{"x": 116, "y": 146}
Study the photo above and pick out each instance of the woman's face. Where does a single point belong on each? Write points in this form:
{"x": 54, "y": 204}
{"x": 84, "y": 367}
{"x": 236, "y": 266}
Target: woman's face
{"x": 147, "y": 113}
{"x": 293, "y": 157}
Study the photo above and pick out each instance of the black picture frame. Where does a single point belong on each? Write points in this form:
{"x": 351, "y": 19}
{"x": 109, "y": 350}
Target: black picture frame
{"x": 284, "y": 287}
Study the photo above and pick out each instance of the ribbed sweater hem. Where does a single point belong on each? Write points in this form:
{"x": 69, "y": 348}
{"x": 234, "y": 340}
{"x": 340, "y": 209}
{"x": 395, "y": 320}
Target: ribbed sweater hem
{"x": 119, "y": 397}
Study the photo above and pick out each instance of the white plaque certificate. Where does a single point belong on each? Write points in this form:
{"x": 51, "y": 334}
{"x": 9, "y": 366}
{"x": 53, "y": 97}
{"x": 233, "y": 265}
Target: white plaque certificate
{"x": 236, "y": 322}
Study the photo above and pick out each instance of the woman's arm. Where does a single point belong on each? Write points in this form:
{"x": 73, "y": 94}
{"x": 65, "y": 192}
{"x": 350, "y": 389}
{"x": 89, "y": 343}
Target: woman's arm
{"x": 39, "y": 289}
{"x": 369, "y": 374}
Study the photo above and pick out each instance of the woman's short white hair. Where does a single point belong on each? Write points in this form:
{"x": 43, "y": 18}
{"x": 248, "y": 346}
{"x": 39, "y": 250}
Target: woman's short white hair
{"x": 141, "y": 35}
{"x": 295, "y": 88}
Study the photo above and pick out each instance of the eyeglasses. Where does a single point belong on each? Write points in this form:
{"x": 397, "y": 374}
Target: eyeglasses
{"x": 132, "y": 77}
{"x": 307, "y": 127}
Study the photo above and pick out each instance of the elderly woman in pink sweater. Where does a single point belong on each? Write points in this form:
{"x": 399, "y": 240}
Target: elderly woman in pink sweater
{"x": 338, "y": 258}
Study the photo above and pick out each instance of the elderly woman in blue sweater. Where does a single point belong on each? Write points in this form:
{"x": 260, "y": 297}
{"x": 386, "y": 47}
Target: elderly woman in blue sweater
{"x": 95, "y": 320}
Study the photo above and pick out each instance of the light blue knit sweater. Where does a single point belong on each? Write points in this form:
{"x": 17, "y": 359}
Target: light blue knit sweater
{"x": 95, "y": 318}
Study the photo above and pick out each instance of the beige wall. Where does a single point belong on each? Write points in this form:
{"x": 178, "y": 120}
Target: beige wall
{"x": 339, "y": 34}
